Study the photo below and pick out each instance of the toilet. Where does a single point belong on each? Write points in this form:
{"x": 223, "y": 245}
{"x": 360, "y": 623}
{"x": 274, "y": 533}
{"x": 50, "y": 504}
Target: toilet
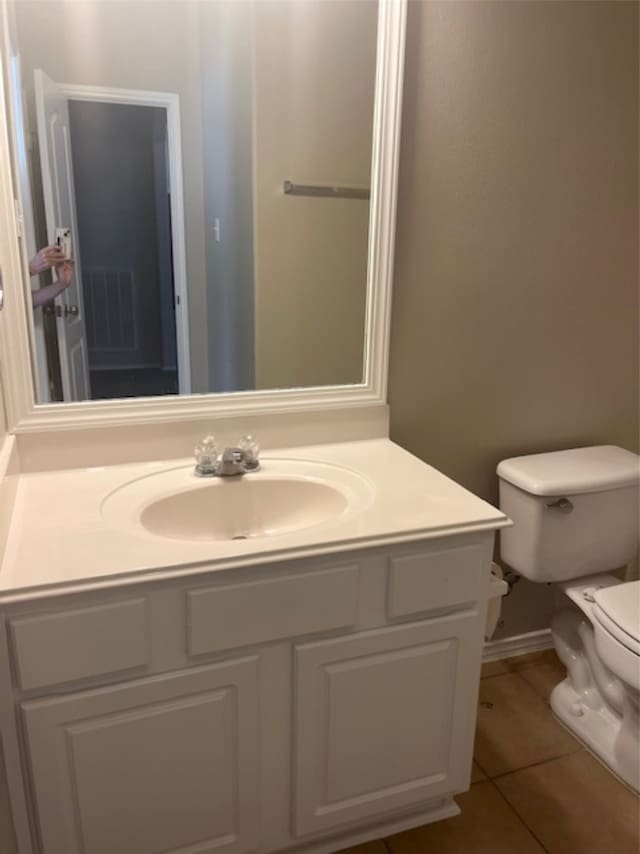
{"x": 576, "y": 517}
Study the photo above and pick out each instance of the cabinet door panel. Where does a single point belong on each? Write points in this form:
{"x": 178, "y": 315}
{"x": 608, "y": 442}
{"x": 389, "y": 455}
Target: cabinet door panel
{"x": 385, "y": 719}
{"x": 158, "y": 765}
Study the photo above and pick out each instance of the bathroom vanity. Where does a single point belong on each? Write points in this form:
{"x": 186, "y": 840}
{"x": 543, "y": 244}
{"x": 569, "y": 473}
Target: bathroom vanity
{"x": 302, "y": 690}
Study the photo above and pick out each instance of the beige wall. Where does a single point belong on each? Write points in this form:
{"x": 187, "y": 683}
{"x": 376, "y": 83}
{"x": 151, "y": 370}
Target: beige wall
{"x": 226, "y": 55}
{"x": 515, "y": 310}
{"x": 311, "y": 128}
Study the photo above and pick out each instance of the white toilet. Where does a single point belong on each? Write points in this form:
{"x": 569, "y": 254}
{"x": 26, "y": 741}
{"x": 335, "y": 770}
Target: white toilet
{"x": 576, "y": 517}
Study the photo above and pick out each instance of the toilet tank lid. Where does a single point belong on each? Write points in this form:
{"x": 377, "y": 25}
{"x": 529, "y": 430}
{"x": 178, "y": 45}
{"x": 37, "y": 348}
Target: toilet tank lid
{"x": 574, "y": 471}
{"x": 621, "y": 604}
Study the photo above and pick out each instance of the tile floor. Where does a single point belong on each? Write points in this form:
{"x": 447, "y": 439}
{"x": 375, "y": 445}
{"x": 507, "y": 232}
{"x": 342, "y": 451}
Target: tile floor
{"x": 534, "y": 788}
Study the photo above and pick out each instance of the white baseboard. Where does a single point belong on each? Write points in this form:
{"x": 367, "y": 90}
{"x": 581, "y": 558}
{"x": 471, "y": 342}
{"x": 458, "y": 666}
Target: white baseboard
{"x": 517, "y": 645}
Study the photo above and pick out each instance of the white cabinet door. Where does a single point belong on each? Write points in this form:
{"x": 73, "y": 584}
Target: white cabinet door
{"x": 166, "y": 764}
{"x": 384, "y": 719}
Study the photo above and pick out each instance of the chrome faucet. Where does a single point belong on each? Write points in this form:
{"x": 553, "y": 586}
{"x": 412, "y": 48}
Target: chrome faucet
{"x": 232, "y": 462}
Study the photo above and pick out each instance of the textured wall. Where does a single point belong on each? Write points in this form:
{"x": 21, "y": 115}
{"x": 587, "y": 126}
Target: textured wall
{"x": 515, "y": 310}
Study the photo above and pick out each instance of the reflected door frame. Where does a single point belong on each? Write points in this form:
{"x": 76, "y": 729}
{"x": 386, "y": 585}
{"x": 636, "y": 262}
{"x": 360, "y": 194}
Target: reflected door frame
{"x": 170, "y": 102}
{"x": 21, "y": 144}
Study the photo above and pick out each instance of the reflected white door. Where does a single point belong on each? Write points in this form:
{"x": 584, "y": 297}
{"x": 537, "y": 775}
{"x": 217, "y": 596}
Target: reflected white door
{"x": 60, "y": 210}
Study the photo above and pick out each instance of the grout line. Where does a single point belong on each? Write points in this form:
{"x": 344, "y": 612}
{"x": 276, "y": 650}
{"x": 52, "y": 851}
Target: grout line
{"x": 546, "y": 761}
{"x": 520, "y": 818}
{"x": 473, "y": 759}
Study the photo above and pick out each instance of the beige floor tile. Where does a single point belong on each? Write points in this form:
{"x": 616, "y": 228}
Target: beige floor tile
{"x": 377, "y": 847}
{"x": 515, "y": 727}
{"x": 477, "y": 773}
{"x": 493, "y": 668}
{"x": 487, "y": 825}
{"x": 574, "y": 805}
{"x": 543, "y": 672}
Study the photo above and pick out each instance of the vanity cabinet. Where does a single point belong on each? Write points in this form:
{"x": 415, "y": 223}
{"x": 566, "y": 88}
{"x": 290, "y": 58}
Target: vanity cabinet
{"x": 382, "y": 720}
{"x": 302, "y": 706}
{"x": 152, "y": 765}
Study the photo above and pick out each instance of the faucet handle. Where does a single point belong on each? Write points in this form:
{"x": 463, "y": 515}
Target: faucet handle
{"x": 206, "y": 454}
{"x": 251, "y": 450}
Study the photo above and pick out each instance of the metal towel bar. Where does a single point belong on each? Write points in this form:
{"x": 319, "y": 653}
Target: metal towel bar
{"x": 291, "y": 189}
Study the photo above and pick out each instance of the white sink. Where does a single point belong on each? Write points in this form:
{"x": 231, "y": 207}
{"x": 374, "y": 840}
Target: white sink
{"x": 285, "y": 496}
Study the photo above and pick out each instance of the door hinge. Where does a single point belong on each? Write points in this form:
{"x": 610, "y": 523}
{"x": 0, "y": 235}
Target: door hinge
{"x": 177, "y": 299}
{"x": 19, "y": 218}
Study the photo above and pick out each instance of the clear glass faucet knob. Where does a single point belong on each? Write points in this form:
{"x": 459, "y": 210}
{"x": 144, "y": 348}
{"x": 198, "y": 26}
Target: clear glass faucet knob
{"x": 251, "y": 449}
{"x": 206, "y": 454}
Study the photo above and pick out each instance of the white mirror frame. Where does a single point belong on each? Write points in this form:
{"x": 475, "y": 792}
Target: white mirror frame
{"x": 25, "y": 415}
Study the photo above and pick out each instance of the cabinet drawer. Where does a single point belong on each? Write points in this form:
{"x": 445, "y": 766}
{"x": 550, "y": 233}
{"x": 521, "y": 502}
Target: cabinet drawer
{"x": 53, "y": 648}
{"x": 432, "y": 580}
{"x": 260, "y": 611}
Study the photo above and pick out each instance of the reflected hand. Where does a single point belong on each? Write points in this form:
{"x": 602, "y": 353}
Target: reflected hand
{"x": 64, "y": 272}
{"x": 49, "y": 256}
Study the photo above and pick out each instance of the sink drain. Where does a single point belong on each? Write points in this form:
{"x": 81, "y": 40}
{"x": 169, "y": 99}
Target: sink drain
{"x": 240, "y": 537}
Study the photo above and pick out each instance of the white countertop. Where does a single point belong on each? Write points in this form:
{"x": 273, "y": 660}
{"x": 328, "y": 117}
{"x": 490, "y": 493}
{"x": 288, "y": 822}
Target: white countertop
{"x": 59, "y": 540}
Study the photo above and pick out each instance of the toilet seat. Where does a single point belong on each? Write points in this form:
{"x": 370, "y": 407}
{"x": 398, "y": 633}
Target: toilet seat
{"x": 619, "y": 659}
{"x": 617, "y": 610}
{"x": 607, "y": 625}
{"x": 616, "y": 625}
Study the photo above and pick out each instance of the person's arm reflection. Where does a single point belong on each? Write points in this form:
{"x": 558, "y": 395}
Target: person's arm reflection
{"x": 50, "y": 256}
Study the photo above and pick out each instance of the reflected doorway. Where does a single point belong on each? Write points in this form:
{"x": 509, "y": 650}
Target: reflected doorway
{"x": 125, "y": 161}
{"x": 120, "y": 167}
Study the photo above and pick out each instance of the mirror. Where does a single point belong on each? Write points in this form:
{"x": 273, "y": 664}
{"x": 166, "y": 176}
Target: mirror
{"x": 195, "y": 179}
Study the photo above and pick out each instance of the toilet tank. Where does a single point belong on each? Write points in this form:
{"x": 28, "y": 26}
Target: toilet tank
{"x": 575, "y": 512}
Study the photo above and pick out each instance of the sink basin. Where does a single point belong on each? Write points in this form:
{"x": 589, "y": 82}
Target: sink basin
{"x": 239, "y": 509}
{"x": 285, "y": 496}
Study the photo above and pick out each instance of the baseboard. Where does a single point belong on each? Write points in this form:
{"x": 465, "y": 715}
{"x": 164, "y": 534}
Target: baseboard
{"x": 517, "y": 645}
{"x": 443, "y": 808}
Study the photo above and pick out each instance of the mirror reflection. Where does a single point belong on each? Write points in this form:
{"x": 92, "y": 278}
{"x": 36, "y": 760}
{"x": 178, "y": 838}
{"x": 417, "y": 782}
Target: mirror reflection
{"x": 195, "y": 179}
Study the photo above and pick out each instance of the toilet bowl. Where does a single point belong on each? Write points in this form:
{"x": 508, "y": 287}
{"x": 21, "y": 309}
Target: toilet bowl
{"x": 598, "y": 700}
{"x": 575, "y": 516}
